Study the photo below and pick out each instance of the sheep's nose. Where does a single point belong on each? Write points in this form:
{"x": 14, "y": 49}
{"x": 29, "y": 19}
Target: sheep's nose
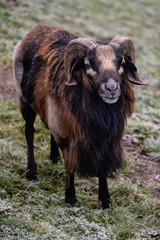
{"x": 112, "y": 88}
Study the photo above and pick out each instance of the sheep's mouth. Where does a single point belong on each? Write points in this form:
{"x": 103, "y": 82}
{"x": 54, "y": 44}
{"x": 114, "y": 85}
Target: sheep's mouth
{"x": 109, "y": 97}
{"x": 109, "y": 100}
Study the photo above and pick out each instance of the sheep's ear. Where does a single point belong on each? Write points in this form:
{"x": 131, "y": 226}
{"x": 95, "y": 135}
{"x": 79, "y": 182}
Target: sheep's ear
{"x": 76, "y": 65}
{"x": 131, "y": 72}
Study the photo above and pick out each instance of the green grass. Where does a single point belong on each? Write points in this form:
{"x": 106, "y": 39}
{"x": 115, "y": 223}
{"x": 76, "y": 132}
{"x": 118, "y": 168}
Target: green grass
{"x": 152, "y": 146}
{"x": 36, "y": 210}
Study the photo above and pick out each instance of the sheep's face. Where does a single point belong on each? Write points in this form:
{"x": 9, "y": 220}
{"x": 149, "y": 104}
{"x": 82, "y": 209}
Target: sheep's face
{"x": 104, "y": 68}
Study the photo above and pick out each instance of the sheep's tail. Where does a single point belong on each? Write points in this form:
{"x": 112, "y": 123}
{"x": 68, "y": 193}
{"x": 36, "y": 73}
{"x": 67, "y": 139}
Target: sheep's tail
{"x": 18, "y": 67}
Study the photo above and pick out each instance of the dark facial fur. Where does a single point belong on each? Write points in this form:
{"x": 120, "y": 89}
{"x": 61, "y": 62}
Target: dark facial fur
{"x": 102, "y": 66}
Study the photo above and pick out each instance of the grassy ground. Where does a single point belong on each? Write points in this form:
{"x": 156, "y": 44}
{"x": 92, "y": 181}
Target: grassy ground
{"x": 36, "y": 210}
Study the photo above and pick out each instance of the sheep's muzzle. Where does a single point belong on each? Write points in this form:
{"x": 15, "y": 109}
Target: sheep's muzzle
{"x": 109, "y": 91}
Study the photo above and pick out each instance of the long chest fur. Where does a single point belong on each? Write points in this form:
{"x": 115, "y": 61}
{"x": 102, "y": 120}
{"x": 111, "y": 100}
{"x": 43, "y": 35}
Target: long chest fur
{"x": 98, "y": 133}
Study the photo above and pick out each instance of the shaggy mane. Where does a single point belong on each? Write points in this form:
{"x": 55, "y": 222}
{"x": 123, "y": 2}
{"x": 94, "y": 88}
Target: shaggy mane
{"x": 97, "y": 147}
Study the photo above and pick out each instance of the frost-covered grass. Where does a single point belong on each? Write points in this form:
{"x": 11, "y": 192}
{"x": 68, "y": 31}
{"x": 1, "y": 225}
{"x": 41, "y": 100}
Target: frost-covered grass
{"x": 36, "y": 210}
{"x": 152, "y": 145}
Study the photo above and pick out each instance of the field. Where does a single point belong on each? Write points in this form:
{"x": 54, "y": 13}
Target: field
{"x": 36, "y": 210}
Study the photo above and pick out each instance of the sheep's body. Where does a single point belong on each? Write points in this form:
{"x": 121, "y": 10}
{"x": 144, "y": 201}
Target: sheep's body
{"x": 87, "y": 130}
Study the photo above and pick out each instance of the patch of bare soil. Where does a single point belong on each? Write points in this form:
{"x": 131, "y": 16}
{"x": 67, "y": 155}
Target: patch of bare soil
{"x": 147, "y": 172}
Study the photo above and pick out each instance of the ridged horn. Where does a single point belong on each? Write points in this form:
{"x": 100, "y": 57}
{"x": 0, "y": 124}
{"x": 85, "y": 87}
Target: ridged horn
{"x": 76, "y": 49}
{"x": 125, "y": 46}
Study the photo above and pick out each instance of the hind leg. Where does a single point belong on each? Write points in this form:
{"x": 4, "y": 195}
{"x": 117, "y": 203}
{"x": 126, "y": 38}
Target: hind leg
{"x": 29, "y": 116}
{"x": 54, "y": 155}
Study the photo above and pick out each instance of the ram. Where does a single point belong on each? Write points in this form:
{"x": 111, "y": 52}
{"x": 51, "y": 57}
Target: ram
{"x": 83, "y": 91}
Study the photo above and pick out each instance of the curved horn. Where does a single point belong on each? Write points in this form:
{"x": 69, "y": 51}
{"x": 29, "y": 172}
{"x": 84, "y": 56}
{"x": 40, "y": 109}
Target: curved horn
{"x": 125, "y": 46}
{"x": 76, "y": 49}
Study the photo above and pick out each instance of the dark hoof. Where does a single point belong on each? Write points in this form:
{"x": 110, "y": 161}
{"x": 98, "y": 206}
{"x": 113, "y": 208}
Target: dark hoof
{"x": 55, "y": 159}
{"x": 76, "y": 205}
{"x": 106, "y": 204}
{"x": 69, "y": 205}
{"x": 32, "y": 176}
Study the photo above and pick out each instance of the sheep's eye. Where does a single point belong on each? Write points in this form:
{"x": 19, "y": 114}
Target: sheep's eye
{"x": 121, "y": 63}
{"x": 88, "y": 66}
{"x": 120, "y": 66}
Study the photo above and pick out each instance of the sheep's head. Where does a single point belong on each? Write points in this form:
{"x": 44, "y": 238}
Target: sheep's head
{"x": 105, "y": 66}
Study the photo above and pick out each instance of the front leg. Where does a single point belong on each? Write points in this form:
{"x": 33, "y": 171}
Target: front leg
{"x": 54, "y": 155}
{"x": 70, "y": 192}
{"x": 104, "y": 193}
